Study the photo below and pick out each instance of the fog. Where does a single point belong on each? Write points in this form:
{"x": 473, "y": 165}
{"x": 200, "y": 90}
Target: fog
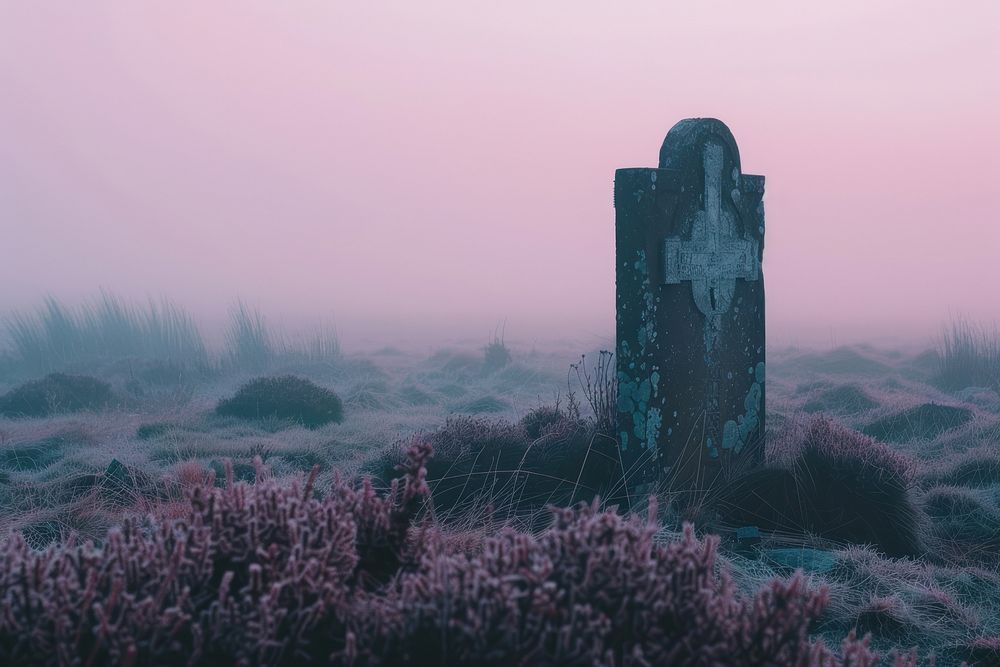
{"x": 412, "y": 170}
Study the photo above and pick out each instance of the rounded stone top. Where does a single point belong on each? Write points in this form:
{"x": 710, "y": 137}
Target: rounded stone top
{"x": 683, "y": 143}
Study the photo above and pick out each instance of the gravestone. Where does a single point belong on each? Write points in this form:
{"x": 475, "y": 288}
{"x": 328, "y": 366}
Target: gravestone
{"x": 690, "y": 310}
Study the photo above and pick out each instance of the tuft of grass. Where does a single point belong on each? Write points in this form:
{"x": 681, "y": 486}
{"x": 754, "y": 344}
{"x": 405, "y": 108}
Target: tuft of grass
{"x": 284, "y": 398}
{"x": 106, "y": 328}
{"x": 969, "y": 356}
{"x": 249, "y": 342}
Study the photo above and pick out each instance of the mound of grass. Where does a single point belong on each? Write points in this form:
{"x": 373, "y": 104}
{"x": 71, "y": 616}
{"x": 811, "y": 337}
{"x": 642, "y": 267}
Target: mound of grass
{"x": 32, "y": 456}
{"x": 842, "y": 360}
{"x": 965, "y": 526}
{"x": 976, "y": 469}
{"x": 846, "y": 399}
{"x": 56, "y": 393}
{"x": 284, "y": 398}
{"x": 842, "y": 486}
{"x": 925, "y": 421}
{"x": 480, "y": 462}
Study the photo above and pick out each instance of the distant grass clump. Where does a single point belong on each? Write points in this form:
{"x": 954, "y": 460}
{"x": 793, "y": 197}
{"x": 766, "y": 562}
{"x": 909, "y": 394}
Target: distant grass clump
{"x": 969, "y": 356}
{"x": 56, "y": 393}
{"x": 496, "y": 355}
{"x": 841, "y": 485}
{"x": 106, "y": 329}
{"x": 249, "y": 342}
{"x": 285, "y": 397}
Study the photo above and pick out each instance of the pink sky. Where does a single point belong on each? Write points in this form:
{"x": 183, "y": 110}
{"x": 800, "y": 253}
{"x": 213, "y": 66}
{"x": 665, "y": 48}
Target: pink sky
{"x": 407, "y": 166}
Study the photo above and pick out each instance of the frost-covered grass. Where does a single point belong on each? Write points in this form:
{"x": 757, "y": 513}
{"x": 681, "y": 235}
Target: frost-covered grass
{"x": 82, "y": 473}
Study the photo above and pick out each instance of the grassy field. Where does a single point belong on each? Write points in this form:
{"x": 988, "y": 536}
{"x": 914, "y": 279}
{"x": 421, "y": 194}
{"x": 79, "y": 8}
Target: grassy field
{"x": 82, "y": 472}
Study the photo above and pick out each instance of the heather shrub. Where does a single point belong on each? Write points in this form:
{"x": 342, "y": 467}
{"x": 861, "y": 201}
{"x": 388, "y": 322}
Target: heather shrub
{"x": 282, "y": 575}
{"x": 925, "y": 421}
{"x": 286, "y": 398}
{"x": 841, "y": 485}
{"x": 56, "y": 393}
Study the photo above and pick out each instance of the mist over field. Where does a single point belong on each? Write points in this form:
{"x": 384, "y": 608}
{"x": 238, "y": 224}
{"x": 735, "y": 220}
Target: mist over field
{"x": 428, "y": 170}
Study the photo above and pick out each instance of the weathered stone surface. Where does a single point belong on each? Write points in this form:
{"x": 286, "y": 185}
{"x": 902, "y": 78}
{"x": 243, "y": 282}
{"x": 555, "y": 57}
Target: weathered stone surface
{"x": 690, "y": 308}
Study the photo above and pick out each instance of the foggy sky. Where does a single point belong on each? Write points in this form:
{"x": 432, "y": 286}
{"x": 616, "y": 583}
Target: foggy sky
{"x": 421, "y": 167}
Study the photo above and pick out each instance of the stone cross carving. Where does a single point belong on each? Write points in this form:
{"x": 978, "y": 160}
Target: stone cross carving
{"x": 690, "y": 310}
{"x": 713, "y": 259}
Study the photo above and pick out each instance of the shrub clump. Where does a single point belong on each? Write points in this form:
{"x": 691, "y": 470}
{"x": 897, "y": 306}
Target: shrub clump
{"x": 841, "y": 485}
{"x": 55, "y": 393}
{"x": 497, "y": 464}
{"x": 285, "y": 397}
{"x": 542, "y": 419}
{"x": 276, "y": 575}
